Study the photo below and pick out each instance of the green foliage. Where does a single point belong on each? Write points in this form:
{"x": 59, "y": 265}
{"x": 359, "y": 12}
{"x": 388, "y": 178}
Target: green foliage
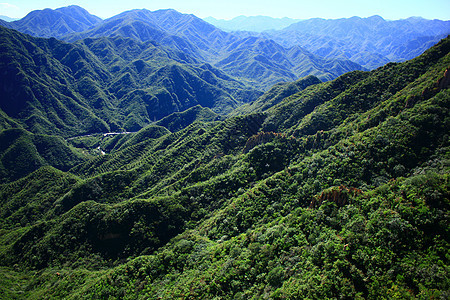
{"x": 344, "y": 194}
{"x": 31, "y": 198}
{"x": 276, "y": 94}
{"x": 103, "y": 85}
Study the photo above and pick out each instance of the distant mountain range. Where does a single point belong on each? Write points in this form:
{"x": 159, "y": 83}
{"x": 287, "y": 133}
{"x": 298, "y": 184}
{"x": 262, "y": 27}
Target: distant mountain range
{"x": 138, "y": 67}
{"x": 252, "y": 23}
{"x": 325, "y": 48}
{"x": 55, "y": 23}
{"x": 8, "y": 19}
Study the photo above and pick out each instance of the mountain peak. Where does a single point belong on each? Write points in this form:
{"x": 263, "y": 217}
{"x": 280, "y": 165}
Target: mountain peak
{"x": 73, "y": 9}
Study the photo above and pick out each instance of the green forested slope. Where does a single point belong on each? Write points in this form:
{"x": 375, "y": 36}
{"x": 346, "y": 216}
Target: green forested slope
{"x": 178, "y": 121}
{"x": 36, "y": 85}
{"x": 260, "y": 62}
{"x": 22, "y": 153}
{"x": 276, "y": 94}
{"x": 339, "y": 189}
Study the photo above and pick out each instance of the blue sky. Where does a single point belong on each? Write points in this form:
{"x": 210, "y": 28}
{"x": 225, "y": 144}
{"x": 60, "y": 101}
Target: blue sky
{"x": 298, "y": 9}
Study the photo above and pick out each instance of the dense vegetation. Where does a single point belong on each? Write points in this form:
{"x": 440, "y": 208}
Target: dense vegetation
{"x": 319, "y": 47}
{"x": 314, "y": 190}
{"x": 260, "y": 62}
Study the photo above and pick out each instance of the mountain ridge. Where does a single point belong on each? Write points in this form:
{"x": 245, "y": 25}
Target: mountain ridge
{"x": 251, "y": 23}
{"x": 55, "y": 23}
{"x": 354, "y": 36}
{"x": 201, "y": 41}
{"x": 75, "y": 89}
{"x": 338, "y": 183}
{"x": 205, "y": 42}
{"x": 131, "y": 169}
{"x": 7, "y": 19}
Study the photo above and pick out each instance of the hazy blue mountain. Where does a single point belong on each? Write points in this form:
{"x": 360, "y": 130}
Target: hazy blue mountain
{"x": 319, "y": 47}
{"x": 37, "y": 85}
{"x": 371, "y": 42}
{"x": 8, "y": 19}
{"x": 101, "y": 85}
{"x": 325, "y": 190}
{"x": 55, "y": 23}
{"x": 260, "y": 62}
{"x": 252, "y": 23}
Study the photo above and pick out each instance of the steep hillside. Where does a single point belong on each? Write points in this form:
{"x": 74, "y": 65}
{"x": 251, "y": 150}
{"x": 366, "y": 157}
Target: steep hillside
{"x": 144, "y": 25}
{"x": 335, "y": 189}
{"x": 161, "y": 26}
{"x": 263, "y": 63}
{"x": 276, "y": 94}
{"x": 181, "y": 120}
{"x": 38, "y": 82}
{"x": 260, "y": 62}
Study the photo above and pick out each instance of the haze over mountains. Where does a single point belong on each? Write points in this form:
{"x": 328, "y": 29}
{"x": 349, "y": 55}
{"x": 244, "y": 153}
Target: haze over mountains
{"x": 154, "y": 156}
{"x": 7, "y": 19}
{"x": 370, "y": 42}
{"x": 55, "y": 23}
{"x": 252, "y": 23}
